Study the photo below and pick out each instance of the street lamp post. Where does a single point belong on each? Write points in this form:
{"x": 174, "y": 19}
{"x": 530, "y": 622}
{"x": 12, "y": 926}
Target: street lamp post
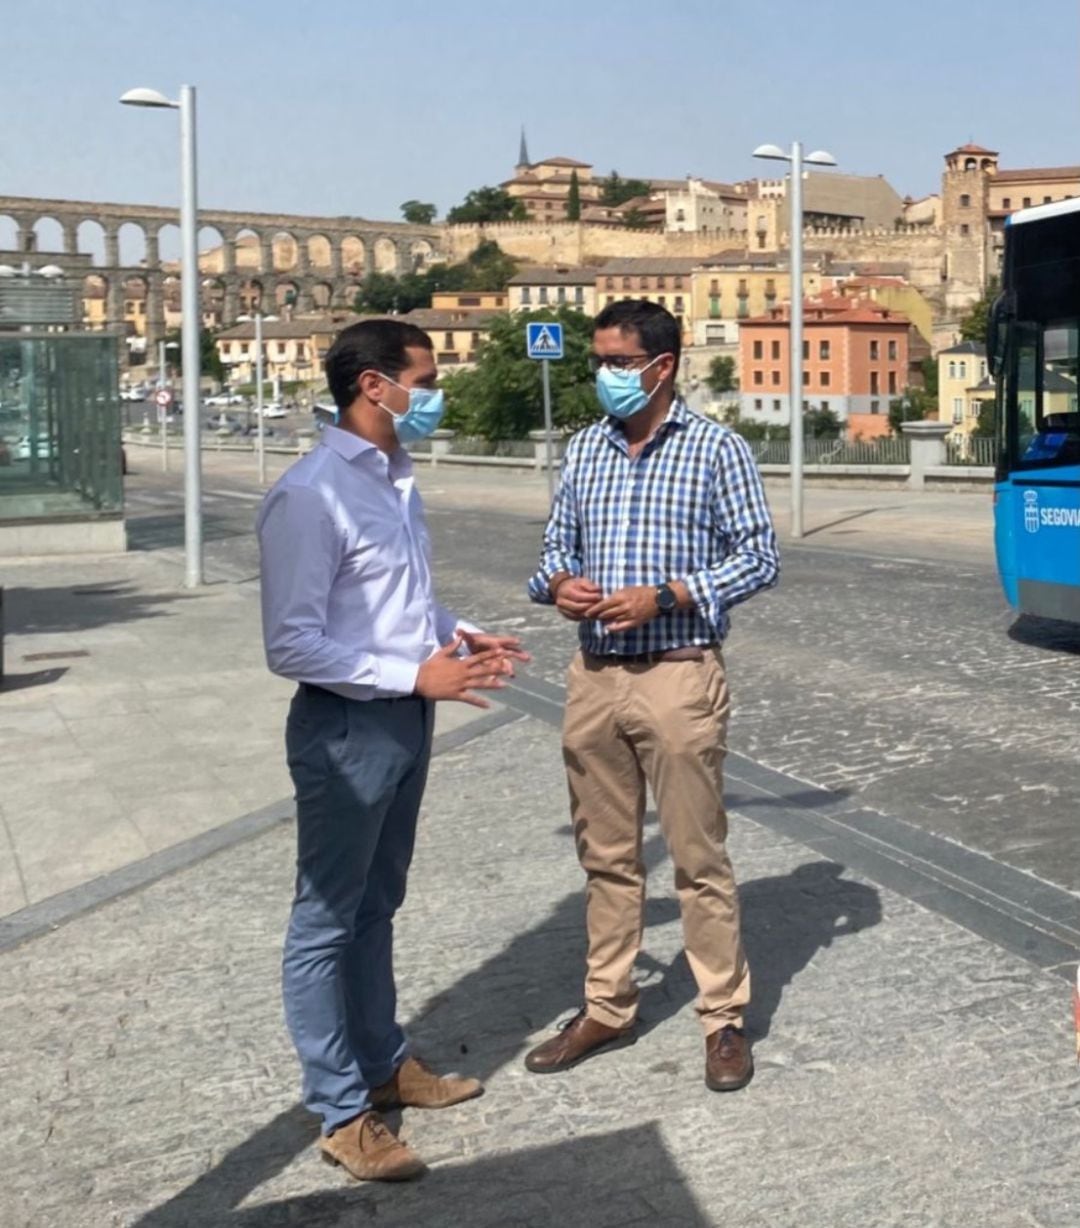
{"x": 189, "y": 320}
{"x": 796, "y": 158}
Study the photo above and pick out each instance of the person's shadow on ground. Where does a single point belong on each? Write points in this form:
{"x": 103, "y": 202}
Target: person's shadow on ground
{"x": 482, "y": 1022}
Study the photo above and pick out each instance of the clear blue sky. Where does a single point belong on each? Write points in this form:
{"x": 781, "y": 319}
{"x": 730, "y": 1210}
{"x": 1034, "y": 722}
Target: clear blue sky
{"x": 353, "y": 106}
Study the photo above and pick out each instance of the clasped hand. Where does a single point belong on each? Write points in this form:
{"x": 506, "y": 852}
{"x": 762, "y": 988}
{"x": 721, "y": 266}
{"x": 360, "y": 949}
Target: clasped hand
{"x": 489, "y": 663}
{"x": 623, "y": 610}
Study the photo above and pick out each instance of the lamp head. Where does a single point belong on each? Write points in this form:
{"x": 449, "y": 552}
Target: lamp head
{"x": 143, "y": 97}
{"x": 820, "y": 158}
{"x": 773, "y": 152}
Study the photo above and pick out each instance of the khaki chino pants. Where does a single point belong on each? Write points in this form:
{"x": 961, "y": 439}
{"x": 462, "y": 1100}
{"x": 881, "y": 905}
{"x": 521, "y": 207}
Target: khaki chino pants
{"x": 665, "y": 723}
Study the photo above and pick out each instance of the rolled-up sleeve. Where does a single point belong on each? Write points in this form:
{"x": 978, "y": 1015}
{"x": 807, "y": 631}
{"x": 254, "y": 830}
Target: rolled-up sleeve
{"x": 741, "y": 520}
{"x": 561, "y": 550}
{"x": 301, "y": 549}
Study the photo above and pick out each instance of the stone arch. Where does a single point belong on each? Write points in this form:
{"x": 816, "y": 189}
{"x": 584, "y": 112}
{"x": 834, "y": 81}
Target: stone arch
{"x": 214, "y": 252}
{"x": 48, "y": 234}
{"x": 9, "y": 233}
{"x": 168, "y": 243}
{"x": 170, "y": 299}
{"x": 385, "y": 255}
{"x": 286, "y": 295}
{"x": 319, "y": 252}
{"x": 353, "y": 256}
{"x": 421, "y": 252}
{"x": 213, "y": 300}
{"x": 250, "y": 293}
{"x": 286, "y": 251}
{"x": 132, "y": 244}
{"x": 134, "y": 322}
{"x": 246, "y": 249}
{"x": 95, "y": 298}
{"x": 90, "y": 239}
{"x": 322, "y": 295}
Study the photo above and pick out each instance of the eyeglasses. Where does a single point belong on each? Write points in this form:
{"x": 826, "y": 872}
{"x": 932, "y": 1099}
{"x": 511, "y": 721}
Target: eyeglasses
{"x": 614, "y": 362}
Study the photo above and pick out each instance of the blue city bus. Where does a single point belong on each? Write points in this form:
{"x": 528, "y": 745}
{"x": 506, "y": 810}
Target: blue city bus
{"x": 1033, "y": 349}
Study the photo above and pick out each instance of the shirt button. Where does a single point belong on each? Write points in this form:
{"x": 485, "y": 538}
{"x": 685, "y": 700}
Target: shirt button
{"x": 627, "y": 523}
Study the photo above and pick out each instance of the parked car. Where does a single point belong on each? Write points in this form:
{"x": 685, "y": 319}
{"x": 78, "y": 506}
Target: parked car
{"x": 134, "y": 392}
{"x": 21, "y": 450}
{"x": 224, "y": 398}
{"x": 275, "y": 409}
{"x": 224, "y": 422}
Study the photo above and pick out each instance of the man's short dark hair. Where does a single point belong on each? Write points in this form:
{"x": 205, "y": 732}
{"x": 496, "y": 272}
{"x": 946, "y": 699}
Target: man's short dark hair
{"x": 656, "y": 328}
{"x": 371, "y": 345}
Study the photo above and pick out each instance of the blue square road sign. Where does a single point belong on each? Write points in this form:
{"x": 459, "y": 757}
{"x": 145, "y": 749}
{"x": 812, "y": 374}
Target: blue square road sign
{"x": 544, "y": 340}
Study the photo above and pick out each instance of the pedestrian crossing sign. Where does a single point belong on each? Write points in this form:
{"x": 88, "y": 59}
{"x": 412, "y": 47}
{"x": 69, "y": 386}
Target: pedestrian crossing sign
{"x": 544, "y": 340}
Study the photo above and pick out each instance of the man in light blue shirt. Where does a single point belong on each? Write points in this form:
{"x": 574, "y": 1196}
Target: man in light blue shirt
{"x": 349, "y": 613}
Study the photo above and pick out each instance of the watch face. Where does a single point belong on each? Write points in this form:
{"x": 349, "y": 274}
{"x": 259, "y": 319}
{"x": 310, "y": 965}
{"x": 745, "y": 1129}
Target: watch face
{"x": 665, "y": 598}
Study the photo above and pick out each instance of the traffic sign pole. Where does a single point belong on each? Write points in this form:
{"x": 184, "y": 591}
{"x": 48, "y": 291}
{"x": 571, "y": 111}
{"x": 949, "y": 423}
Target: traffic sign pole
{"x": 545, "y": 364}
{"x": 543, "y": 342}
{"x": 163, "y": 399}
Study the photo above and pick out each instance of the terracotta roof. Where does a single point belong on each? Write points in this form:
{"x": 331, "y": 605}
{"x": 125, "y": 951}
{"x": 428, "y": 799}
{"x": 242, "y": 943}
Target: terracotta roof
{"x": 764, "y": 260}
{"x": 562, "y": 162}
{"x": 976, "y": 149}
{"x": 647, "y": 266}
{"x": 836, "y": 309}
{"x": 560, "y": 276}
{"x": 966, "y": 347}
{"x": 442, "y": 319}
{"x": 1038, "y": 172}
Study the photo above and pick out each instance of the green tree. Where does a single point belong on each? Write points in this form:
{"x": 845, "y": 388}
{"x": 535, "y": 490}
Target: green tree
{"x": 488, "y": 205}
{"x": 209, "y": 359}
{"x": 821, "y": 424}
{"x": 573, "y": 199}
{"x": 385, "y": 294}
{"x": 915, "y": 405}
{"x": 986, "y": 426}
{"x": 502, "y": 396}
{"x": 487, "y": 268}
{"x": 418, "y": 212}
{"x": 973, "y": 325}
{"x": 929, "y": 369}
{"x": 617, "y": 191}
{"x": 721, "y": 377}
{"x": 636, "y": 220}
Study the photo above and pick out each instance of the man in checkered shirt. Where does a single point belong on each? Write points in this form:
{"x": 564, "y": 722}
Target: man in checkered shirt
{"x": 658, "y": 528}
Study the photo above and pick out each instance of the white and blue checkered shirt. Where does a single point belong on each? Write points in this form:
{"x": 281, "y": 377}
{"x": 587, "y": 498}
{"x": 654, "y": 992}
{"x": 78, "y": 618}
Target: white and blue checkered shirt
{"x": 689, "y": 506}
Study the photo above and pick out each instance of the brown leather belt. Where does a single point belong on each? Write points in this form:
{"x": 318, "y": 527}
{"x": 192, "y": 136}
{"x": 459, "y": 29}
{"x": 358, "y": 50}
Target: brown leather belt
{"x": 691, "y": 652}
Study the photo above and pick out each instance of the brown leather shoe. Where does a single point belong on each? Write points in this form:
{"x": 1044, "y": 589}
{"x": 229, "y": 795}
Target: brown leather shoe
{"x": 576, "y": 1040}
{"x": 369, "y": 1150}
{"x": 729, "y": 1063}
{"x": 416, "y": 1086}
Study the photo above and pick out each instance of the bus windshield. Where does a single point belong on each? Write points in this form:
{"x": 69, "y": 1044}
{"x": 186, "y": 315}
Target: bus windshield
{"x": 1037, "y": 386}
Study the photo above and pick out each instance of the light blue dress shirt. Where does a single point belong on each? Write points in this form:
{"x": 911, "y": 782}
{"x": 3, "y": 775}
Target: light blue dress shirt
{"x": 347, "y": 597}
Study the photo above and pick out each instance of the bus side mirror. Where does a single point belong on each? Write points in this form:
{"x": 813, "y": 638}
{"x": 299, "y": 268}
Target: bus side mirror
{"x": 995, "y": 335}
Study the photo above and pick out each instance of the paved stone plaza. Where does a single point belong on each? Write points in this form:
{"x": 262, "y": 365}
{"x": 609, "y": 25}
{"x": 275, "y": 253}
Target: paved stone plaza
{"x": 911, "y": 927}
{"x": 908, "y": 1072}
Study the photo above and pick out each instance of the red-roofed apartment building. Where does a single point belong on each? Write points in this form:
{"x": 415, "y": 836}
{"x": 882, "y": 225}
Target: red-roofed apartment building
{"x": 855, "y": 360}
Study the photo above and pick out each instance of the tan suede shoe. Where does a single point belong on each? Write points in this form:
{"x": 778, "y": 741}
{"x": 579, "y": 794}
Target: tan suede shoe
{"x": 369, "y": 1150}
{"x": 416, "y": 1086}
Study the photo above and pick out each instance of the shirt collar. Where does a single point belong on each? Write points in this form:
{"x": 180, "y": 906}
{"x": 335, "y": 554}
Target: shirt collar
{"x": 677, "y": 417}
{"x": 349, "y": 446}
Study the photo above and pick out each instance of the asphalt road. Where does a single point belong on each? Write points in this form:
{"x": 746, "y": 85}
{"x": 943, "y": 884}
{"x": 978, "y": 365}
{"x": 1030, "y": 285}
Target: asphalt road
{"x": 903, "y": 682}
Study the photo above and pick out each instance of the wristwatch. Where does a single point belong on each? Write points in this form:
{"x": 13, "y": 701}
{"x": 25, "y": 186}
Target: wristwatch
{"x": 666, "y": 601}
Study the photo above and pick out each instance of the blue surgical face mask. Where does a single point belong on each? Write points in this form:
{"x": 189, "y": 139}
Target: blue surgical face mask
{"x": 620, "y": 392}
{"x": 425, "y": 412}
